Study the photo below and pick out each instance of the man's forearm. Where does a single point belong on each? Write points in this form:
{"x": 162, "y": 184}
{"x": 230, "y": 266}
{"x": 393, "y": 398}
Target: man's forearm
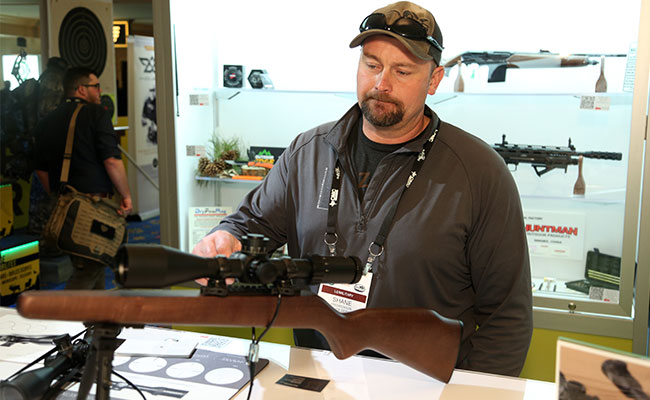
{"x": 117, "y": 174}
{"x": 44, "y": 177}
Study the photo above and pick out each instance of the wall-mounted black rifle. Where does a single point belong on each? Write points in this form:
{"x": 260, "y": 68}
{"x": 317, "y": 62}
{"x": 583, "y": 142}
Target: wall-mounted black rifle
{"x": 546, "y": 158}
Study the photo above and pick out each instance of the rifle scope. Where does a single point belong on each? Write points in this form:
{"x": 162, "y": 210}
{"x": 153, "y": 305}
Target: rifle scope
{"x": 156, "y": 266}
{"x": 34, "y": 384}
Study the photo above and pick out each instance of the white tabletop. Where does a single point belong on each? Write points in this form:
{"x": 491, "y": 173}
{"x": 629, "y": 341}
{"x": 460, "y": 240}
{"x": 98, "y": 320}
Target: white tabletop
{"x": 357, "y": 377}
{"x": 371, "y": 378}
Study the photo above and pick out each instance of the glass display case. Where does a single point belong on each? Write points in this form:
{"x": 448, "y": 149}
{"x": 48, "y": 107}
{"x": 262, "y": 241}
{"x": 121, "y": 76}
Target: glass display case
{"x": 584, "y": 217}
{"x": 575, "y": 237}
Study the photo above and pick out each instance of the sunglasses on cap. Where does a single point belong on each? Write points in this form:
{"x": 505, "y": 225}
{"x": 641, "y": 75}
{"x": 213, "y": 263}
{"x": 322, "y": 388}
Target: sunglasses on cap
{"x": 405, "y": 27}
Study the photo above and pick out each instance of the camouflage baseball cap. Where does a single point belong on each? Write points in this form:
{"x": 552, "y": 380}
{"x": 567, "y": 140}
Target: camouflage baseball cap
{"x": 412, "y": 25}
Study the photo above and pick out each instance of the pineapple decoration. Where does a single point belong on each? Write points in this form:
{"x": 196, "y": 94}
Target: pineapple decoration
{"x": 219, "y": 151}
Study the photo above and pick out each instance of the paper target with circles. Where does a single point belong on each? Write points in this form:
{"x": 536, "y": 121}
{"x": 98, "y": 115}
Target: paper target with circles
{"x": 204, "y": 367}
{"x": 82, "y": 40}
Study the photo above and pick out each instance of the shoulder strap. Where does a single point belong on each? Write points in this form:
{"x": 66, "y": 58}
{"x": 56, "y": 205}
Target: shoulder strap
{"x": 67, "y": 155}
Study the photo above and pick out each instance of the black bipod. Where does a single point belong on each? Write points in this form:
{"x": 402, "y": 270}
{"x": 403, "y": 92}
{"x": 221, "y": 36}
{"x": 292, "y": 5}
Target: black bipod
{"x": 99, "y": 364}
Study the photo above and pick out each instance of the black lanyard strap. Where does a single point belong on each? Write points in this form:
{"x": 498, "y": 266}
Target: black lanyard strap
{"x": 331, "y": 238}
{"x": 376, "y": 247}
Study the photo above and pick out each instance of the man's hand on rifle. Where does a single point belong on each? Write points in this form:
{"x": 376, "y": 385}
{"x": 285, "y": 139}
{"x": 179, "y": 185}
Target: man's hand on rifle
{"x": 216, "y": 243}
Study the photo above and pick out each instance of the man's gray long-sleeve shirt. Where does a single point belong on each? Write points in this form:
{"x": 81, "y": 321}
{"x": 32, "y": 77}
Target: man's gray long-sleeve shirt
{"x": 456, "y": 245}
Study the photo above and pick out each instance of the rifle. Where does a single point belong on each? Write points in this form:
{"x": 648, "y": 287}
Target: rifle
{"x": 500, "y": 61}
{"x": 546, "y": 158}
{"x": 417, "y": 337}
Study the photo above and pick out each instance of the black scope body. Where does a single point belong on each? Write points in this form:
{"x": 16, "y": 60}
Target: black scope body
{"x": 35, "y": 384}
{"x": 156, "y": 266}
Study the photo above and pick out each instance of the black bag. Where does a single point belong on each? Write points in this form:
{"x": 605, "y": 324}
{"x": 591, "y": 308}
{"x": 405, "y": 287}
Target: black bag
{"x": 81, "y": 224}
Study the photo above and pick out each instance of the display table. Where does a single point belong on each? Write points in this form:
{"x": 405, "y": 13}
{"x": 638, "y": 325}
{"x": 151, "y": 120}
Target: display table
{"x": 370, "y": 378}
{"x": 357, "y": 377}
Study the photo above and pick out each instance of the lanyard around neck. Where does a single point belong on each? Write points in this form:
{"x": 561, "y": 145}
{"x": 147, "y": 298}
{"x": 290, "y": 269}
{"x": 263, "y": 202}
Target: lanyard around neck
{"x": 376, "y": 247}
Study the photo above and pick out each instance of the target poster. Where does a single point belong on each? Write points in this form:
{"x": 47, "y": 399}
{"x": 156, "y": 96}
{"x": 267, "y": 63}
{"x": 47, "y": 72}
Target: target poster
{"x": 143, "y": 130}
{"x": 80, "y": 32}
{"x": 81, "y": 25}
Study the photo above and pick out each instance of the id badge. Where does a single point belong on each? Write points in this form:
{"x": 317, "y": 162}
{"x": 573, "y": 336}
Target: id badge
{"x": 344, "y": 297}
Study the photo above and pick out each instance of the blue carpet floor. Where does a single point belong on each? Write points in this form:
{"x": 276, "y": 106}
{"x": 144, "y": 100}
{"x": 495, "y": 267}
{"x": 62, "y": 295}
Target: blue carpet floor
{"x": 147, "y": 231}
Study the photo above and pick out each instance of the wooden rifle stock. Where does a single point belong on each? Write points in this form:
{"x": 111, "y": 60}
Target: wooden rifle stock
{"x": 417, "y": 337}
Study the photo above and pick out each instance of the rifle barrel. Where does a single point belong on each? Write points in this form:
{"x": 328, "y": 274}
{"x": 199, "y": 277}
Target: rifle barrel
{"x": 417, "y": 337}
{"x": 602, "y": 155}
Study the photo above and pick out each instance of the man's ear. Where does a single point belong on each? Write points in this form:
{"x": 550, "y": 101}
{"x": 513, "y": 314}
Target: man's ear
{"x": 81, "y": 92}
{"x": 436, "y": 77}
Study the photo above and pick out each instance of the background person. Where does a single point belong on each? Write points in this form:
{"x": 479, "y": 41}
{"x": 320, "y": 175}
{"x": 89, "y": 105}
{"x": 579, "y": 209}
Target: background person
{"x": 96, "y": 165}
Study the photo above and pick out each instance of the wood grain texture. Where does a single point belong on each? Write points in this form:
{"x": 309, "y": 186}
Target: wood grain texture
{"x": 417, "y": 337}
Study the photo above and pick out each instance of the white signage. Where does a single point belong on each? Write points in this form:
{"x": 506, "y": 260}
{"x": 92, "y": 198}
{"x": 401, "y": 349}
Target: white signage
{"x": 143, "y": 128}
{"x": 203, "y": 219}
{"x": 555, "y": 234}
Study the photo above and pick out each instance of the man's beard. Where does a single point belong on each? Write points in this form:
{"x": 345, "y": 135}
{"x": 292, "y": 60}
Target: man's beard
{"x": 382, "y": 119}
